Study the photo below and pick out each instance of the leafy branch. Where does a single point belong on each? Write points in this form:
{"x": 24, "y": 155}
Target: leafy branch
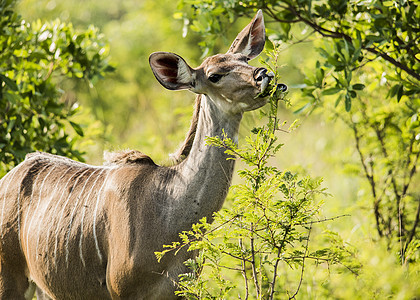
{"x": 267, "y": 223}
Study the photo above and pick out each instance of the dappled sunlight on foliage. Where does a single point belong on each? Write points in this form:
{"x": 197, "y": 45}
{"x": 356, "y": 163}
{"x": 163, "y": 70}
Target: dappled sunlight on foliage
{"x": 34, "y": 58}
{"x": 363, "y": 74}
{"x": 265, "y": 233}
{"x": 130, "y": 102}
{"x": 352, "y": 68}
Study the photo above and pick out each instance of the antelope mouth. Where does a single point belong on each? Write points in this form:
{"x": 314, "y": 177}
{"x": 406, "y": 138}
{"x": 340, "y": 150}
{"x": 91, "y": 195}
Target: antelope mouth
{"x": 268, "y": 87}
{"x": 265, "y": 82}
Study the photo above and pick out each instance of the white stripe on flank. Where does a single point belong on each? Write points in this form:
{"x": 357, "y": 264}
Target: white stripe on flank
{"x": 94, "y": 218}
{"x": 57, "y": 231}
{"x": 72, "y": 214}
{"x": 83, "y": 217}
{"x": 11, "y": 175}
{"x": 46, "y": 207}
{"x": 35, "y": 210}
{"x": 30, "y": 201}
{"x": 32, "y": 195}
{"x": 53, "y": 212}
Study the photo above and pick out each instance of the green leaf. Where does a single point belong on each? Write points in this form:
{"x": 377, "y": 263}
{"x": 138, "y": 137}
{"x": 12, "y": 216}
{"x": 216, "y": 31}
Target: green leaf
{"x": 298, "y": 111}
{"x": 343, "y": 80}
{"x": 393, "y": 91}
{"x": 9, "y": 82}
{"x": 77, "y": 128}
{"x": 331, "y": 91}
{"x": 11, "y": 124}
{"x": 348, "y": 102}
{"x": 358, "y": 86}
{"x": 338, "y": 100}
{"x": 400, "y": 92}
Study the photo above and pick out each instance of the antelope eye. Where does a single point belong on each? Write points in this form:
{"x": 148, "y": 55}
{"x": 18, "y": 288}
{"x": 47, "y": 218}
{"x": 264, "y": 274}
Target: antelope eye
{"x": 215, "y": 77}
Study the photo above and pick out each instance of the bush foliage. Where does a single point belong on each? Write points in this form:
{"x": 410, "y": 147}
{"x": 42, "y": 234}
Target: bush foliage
{"x": 34, "y": 58}
{"x": 367, "y": 75}
{"x": 266, "y": 226}
{"x": 353, "y": 63}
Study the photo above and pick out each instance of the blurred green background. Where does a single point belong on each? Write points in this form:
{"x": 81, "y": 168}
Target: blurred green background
{"x": 129, "y": 109}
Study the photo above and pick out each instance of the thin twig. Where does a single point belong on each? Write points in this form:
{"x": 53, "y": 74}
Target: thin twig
{"x": 253, "y": 264}
{"x": 413, "y": 229}
{"x": 324, "y": 220}
{"x": 243, "y": 263}
{"x": 303, "y": 264}
{"x": 273, "y": 281}
{"x": 371, "y": 180}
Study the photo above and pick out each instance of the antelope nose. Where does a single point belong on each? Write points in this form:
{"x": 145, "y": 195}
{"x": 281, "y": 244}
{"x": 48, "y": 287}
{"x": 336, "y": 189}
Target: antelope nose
{"x": 260, "y": 74}
{"x": 262, "y": 78}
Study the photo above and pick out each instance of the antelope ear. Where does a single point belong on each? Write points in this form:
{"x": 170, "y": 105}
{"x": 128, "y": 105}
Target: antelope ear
{"x": 171, "y": 70}
{"x": 250, "y": 41}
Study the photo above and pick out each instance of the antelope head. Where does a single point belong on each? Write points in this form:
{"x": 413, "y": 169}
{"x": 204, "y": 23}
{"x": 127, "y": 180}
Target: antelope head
{"x": 227, "y": 79}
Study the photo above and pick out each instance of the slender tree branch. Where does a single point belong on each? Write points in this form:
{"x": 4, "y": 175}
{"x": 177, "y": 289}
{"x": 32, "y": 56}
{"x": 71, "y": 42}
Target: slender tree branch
{"x": 303, "y": 264}
{"x": 370, "y": 178}
{"x": 335, "y": 34}
{"x": 400, "y": 213}
{"x": 394, "y": 62}
{"x": 324, "y": 220}
{"x": 253, "y": 264}
{"x": 412, "y": 170}
{"x": 243, "y": 271}
{"x": 273, "y": 281}
{"x": 413, "y": 229}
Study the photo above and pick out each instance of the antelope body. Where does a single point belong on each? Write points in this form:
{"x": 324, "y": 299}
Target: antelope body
{"x": 90, "y": 232}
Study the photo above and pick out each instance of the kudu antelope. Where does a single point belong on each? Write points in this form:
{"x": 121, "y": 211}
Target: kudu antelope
{"x": 90, "y": 232}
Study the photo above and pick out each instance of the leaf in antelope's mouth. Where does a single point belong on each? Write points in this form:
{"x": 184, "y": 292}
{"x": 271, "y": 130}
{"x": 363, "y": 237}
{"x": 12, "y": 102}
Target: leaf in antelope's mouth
{"x": 268, "y": 89}
{"x": 265, "y": 82}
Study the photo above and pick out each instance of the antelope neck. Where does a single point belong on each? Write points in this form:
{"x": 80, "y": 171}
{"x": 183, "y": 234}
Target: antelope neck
{"x": 206, "y": 173}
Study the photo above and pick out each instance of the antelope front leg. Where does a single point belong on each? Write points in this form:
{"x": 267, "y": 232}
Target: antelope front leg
{"x": 13, "y": 281}
{"x": 40, "y": 295}
{"x": 30, "y": 292}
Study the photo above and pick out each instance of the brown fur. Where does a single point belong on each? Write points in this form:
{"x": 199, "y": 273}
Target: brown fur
{"x": 127, "y": 157}
{"x": 185, "y": 149}
{"x": 90, "y": 232}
